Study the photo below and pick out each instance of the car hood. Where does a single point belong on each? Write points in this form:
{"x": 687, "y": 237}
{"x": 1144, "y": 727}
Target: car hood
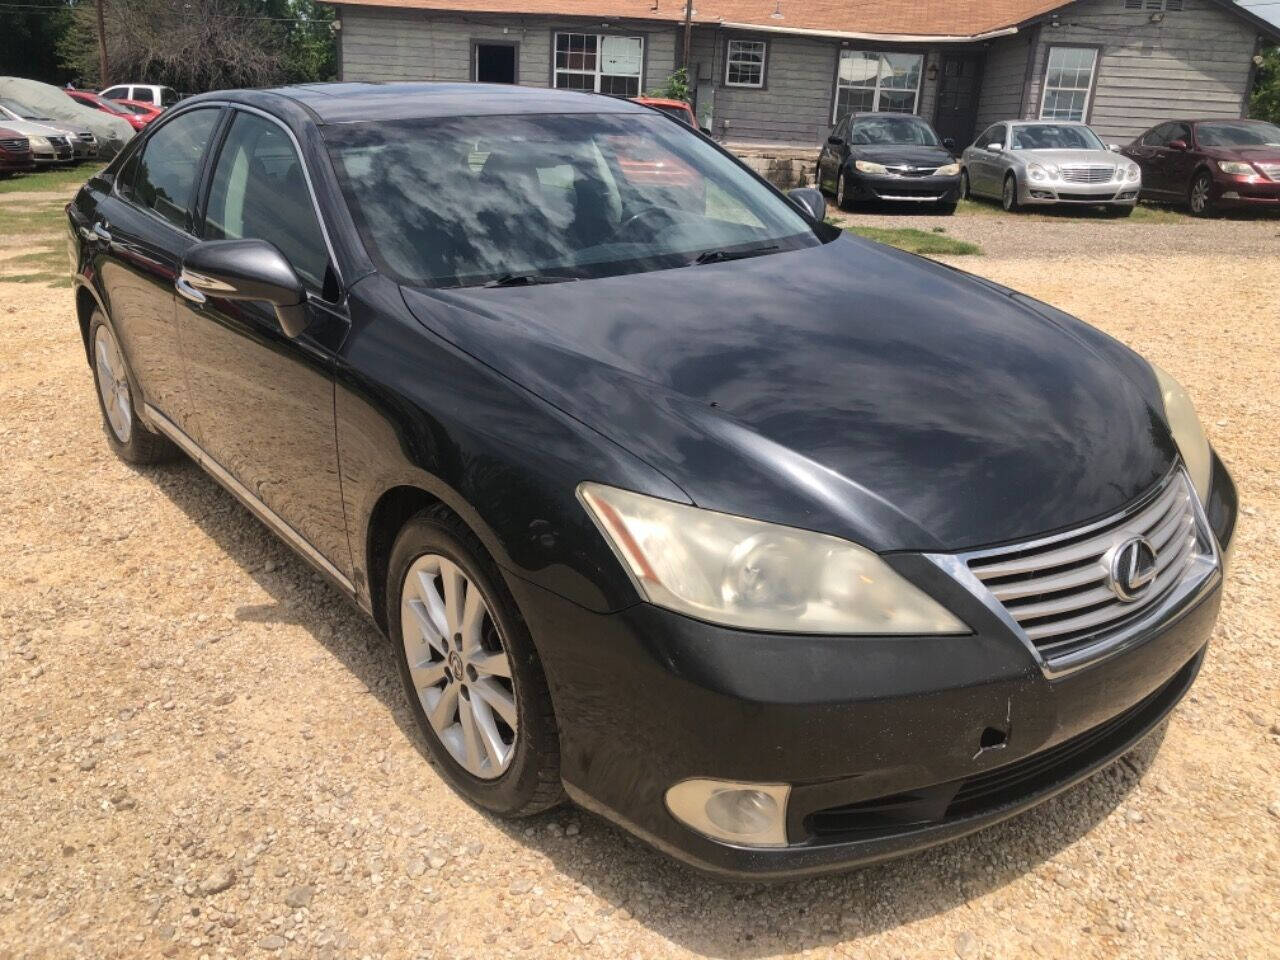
{"x": 1088, "y": 158}
{"x": 848, "y": 388}
{"x": 32, "y": 129}
{"x": 900, "y": 153}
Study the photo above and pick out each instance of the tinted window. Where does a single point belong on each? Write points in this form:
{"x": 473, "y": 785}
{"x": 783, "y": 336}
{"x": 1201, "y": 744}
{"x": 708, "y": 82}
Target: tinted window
{"x": 893, "y": 129}
{"x": 168, "y": 96}
{"x": 1156, "y": 137}
{"x": 1238, "y": 133}
{"x": 170, "y": 163}
{"x": 143, "y": 95}
{"x": 1179, "y": 131}
{"x": 993, "y": 134}
{"x": 259, "y": 192}
{"x": 116, "y": 93}
{"x": 465, "y": 200}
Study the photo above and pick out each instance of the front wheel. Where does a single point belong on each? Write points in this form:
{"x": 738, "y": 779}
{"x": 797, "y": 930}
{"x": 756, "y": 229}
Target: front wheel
{"x": 1199, "y": 199}
{"x": 964, "y": 186}
{"x": 843, "y": 200}
{"x": 470, "y": 669}
{"x": 1009, "y": 194}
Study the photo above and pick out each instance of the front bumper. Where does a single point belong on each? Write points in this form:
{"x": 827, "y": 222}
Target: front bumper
{"x": 16, "y": 162}
{"x": 894, "y": 189}
{"x": 1044, "y": 192}
{"x": 1245, "y": 192}
{"x": 880, "y": 738}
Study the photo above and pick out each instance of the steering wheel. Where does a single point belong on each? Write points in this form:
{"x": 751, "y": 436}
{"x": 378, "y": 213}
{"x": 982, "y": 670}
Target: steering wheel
{"x": 630, "y": 224}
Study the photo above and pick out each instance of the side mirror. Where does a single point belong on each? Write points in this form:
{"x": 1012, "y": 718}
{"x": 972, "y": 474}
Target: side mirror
{"x": 1113, "y": 147}
{"x": 995, "y": 147}
{"x": 949, "y": 143}
{"x": 810, "y": 200}
{"x": 1177, "y": 144}
{"x": 835, "y": 141}
{"x": 245, "y": 270}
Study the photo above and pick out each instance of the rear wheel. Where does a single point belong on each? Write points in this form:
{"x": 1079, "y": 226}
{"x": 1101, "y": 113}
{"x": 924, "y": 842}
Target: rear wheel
{"x": 470, "y": 670}
{"x": 843, "y": 199}
{"x": 1009, "y": 194}
{"x": 127, "y": 436}
{"x": 1199, "y": 198}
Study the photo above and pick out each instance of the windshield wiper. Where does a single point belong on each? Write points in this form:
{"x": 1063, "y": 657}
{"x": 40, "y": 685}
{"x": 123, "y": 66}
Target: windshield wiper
{"x": 525, "y": 280}
{"x": 720, "y": 256}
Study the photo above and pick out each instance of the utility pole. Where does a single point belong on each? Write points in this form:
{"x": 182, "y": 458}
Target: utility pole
{"x": 103, "y": 82}
{"x": 688, "y": 32}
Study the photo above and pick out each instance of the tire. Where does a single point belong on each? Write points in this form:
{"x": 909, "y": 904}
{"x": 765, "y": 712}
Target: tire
{"x": 527, "y": 780}
{"x": 843, "y": 200}
{"x": 946, "y": 209}
{"x": 817, "y": 179}
{"x": 964, "y": 186}
{"x": 1009, "y": 194}
{"x": 128, "y": 438}
{"x": 1200, "y": 195}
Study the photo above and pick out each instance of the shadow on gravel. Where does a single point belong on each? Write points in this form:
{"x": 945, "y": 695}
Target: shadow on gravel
{"x": 703, "y": 914}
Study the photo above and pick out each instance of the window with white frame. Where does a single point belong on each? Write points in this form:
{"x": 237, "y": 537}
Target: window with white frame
{"x": 879, "y": 82}
{"x": 600, "y": 63}
{"x": 744, "y": 63}
{"x": 1172, "y": 6}
{"x": 1067, "y": 82}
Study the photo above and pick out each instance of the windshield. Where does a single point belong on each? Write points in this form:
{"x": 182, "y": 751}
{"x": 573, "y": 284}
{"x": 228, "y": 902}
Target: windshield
{"x": 1055, "y": 136}
{"x": 22, "y": 112}
{"x": 1238, "y": 134}
{"x": 469, "y": 200}
{"x": 893, "y": 129}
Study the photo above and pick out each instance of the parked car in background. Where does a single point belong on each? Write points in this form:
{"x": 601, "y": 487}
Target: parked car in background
{"x": 88, "y": 99}
{"x": 152, "y": 93}
{"x": 49, "y": 144}
{"x": 15, "y": 153}
{"x": 676, "y": 109}
{"x": 110, "y": 130}
{"x": 147, "y": 111}
{"x": 888, "y": 156}
{"x": 84, "y": 145}
{"x": 1038, "y": 163}
{"x": 781, "y": 548}
{"x": 1210, "y": 165}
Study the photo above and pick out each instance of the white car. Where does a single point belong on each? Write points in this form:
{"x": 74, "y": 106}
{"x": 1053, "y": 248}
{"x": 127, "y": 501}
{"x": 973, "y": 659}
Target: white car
{"x": 145, "y": 92}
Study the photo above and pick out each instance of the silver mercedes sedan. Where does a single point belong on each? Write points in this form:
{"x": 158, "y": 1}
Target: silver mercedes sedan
{"x": 1024, "y": 163}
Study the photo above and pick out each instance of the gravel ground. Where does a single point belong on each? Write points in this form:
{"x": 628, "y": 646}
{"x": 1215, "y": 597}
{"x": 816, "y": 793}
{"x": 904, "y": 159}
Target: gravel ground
{"x": 203, "y": 751}
{"x": 1072, "y": 234}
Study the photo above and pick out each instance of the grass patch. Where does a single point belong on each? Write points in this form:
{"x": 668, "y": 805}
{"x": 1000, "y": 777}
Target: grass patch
{"x": 919, "y": 241}
{"x": 66, "y": 179}
{"x": 1142, "y": 213}
{"x": 62, "y": 279}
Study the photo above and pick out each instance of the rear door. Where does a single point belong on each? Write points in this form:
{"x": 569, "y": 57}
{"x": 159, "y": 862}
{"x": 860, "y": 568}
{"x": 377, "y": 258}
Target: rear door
{"x": 1150, "y": 154}
{"x": 139, "y": 233}
{"x": 265, "y": 400}
{"x": 1179, "y": 165}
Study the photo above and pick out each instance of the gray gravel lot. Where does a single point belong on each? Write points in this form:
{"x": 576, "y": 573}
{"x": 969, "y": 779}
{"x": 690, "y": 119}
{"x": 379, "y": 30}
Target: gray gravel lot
{"x": 204, "y": 752}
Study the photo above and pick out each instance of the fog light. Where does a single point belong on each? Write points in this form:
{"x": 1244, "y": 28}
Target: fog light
{"x": 751, "y": 814}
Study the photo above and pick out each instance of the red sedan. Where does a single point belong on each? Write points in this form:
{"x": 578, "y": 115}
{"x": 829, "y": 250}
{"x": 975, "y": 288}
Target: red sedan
{"x": 90, "y": 99}
{"x": 1210, "y": 165}
{"x": 147, "y": 111}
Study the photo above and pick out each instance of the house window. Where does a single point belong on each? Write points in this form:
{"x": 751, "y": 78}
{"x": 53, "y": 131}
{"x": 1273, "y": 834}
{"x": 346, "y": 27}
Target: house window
{"x": 1067, "y": 83}
{"x": 881, "y": 82}
{"x": 603, "y": 64}
{"x": 1162, "y": 5}
{"x": 744, "y": 63}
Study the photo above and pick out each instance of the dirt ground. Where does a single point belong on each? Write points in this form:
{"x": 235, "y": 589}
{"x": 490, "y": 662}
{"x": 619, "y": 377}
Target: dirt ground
{"x": 204, "y": 752}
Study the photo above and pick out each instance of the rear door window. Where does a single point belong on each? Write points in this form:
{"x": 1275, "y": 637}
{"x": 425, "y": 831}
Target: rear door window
{"x": 170, "y": 165}
{"x": 143, "y": 94}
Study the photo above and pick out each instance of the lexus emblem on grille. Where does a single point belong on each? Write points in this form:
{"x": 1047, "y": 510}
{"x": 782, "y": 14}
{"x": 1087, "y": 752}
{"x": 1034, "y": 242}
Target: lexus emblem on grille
{"x": 1132, "y": 569}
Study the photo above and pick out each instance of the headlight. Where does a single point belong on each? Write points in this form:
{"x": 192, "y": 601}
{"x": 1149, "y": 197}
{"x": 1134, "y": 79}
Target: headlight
{"x": 1042, "y": 171}
{"x": 1133, "y": 173}
{"x": 758, "y": 576}
{"x": 1187, "y": 432}
{"x": 950, "y": 170}
{"x": 37, "y": 141}
{"x": 867, "y": 166}
{"x": 1236, "y": 168}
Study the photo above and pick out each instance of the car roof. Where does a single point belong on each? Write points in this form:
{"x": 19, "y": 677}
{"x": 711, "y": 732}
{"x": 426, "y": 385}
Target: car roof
{"x": 1045, "y": 123}
{"x": 347, "y": 102}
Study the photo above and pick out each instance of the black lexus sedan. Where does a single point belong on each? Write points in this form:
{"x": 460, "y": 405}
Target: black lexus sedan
{"x": 888, "y": 157}
{"x": 783, "y": 549}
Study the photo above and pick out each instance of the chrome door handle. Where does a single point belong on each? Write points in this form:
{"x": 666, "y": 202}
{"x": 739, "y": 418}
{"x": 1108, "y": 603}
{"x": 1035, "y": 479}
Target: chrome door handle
{"x": 189, "y": 292}
{"x": 101, "y": 232}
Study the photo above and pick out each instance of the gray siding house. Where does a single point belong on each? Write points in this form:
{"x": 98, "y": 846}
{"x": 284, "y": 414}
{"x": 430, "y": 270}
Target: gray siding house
{"x": 782, "y": 72}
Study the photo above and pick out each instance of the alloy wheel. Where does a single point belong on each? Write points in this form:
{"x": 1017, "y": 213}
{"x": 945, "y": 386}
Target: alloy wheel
{"x": 1200, "y": 194}
{"x": 113, "y": 384}
{"x": 840, "y": 188}
{"x": 1009, "y": 195}
{"x": 964, "y": 185}
{"x": 459, "y": 665}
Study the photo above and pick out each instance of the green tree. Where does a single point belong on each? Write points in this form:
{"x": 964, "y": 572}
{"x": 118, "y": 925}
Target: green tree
{"x": 1265, "y": 102}
{"x": 676, "y": 87}
{"x": 29, "y": 41}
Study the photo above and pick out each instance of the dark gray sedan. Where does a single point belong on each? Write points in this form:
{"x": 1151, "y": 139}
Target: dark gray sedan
{"x": 1033, "y": 163}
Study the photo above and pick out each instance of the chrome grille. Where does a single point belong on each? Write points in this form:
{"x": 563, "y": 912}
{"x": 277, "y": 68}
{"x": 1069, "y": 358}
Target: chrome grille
{"x": 903, "y": 170}
{"x": 1057, "y": 590}
{"x": 1088, "y": 174}
{"x": 1272, "y": 170}
{"x": 17, "y": 145}
{"x": 58, "y": 141}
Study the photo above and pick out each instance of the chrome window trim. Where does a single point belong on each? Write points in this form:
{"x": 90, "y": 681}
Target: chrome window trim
{"x": 1203, "y": 574}
{"x": 264, "y": 513}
